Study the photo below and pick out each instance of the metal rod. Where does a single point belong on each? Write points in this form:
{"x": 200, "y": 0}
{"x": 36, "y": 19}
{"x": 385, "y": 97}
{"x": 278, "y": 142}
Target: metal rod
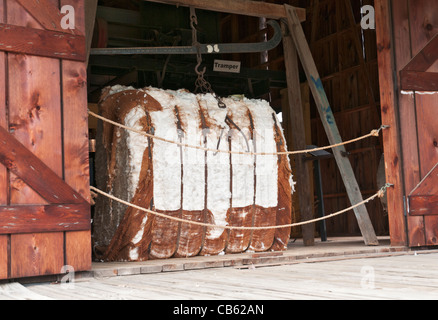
{"x": 204, "y": 49}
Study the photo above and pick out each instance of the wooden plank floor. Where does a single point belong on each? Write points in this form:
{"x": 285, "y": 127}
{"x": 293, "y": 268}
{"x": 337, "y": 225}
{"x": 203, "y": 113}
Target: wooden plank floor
{"x": 386, "y": 275}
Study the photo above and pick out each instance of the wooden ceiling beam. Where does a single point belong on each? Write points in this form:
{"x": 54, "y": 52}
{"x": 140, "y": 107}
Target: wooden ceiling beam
{"x": 242, "y": 7}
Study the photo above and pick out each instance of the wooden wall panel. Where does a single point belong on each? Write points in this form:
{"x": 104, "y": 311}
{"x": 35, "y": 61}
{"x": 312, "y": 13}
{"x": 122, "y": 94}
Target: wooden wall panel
{"x": 76, "y": 145}
{"x": 350, "y": 79}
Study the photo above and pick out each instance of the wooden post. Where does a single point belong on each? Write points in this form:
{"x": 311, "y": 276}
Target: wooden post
{"x": 296, "y": 116}
{"x": 330, "y": 126}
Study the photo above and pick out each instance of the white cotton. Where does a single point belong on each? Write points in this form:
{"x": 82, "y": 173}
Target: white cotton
{"x": 133, "y": 254}
{"x": 243, "y": 165}
{"x": 266, "y": 165}
{"x": 119, "y": 88}
{"x": 166, "y": 156}
{"x": 193, "y": 159}
{"x": 137, "y": 238}
{"x": 218, "y": 168}
{"x": 137, "y": 144}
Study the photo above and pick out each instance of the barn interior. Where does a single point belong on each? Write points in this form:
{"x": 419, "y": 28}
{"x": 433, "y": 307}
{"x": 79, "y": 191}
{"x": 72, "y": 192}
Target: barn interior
{"x": 346, "y": 58}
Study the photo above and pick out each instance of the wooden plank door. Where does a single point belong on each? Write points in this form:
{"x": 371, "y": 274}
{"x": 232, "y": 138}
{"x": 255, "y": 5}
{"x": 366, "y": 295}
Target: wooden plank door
{"x": 405, "y": 28}
{"x": 44, "y": 173}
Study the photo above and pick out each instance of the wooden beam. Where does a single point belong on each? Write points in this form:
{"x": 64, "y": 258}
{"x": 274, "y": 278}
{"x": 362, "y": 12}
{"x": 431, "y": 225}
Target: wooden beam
{"x": 296, "y": 120}
{"x": 425, "y": 58}
{"x": 330, "y": 126}
{"x": 418, "y": 81}
{"x": 391, "y": 141}
{"x": 44, "y": 218}
{"x": 41, "y": 43}
{"x": 23, "y": 163}
{"x": 242, "y": 7}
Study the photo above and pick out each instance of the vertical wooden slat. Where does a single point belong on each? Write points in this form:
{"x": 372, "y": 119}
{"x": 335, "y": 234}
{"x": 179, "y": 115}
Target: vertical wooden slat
{"x": 34, "y": 108}
{"x": 3, "y": 120}
{"x": 4, "y": 261}
{"x": 75, "y": 130}
{"x": 393, "y": 159}
{"x": 35, "y": 120}
{"x": 407, "y": 110}
{"x": 3, "y": 173}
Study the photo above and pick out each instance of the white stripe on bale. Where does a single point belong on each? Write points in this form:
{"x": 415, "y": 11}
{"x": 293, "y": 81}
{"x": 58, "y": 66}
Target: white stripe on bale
{"x": 166, "y": 156}
{"x": 193, "y": 159}
{"x": 243, "y": 165}
{"x": 266, "y": 166}
{"x": 218, "y": 168}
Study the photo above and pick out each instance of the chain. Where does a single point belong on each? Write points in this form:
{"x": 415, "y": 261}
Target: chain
{"x": 201, "y": 84}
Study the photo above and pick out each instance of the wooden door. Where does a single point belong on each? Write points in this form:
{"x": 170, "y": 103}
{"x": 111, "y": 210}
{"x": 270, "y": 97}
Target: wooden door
{"x": 406, "y": 32}
{"x": 44, "y": 168}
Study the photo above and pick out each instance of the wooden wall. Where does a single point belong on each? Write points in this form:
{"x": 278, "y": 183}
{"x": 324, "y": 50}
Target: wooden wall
{"x": 346, "y": 57}
{"x": 43, "y": 109}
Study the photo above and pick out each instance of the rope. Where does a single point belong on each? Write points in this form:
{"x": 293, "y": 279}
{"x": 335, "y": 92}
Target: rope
{"x": 379, "y": 194}
{"x": 373, "y": 133}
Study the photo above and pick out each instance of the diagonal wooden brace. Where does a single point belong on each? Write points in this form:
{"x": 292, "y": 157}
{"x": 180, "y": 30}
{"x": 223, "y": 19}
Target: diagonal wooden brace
{"x": 23, "y": 163}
